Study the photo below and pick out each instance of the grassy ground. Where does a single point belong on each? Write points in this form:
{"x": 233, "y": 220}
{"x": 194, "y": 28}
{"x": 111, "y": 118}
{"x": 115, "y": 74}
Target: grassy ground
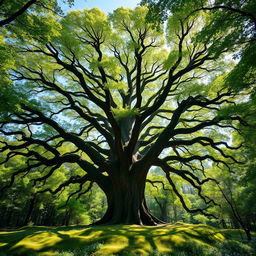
{"x": 178, "y": 239}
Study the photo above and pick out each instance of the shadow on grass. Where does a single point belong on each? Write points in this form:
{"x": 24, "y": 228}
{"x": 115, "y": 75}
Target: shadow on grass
{"x": 117, "y": 239}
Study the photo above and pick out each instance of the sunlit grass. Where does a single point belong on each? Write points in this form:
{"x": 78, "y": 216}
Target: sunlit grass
{"x": 109, "y": 240}
{"x": 38, "y": 241}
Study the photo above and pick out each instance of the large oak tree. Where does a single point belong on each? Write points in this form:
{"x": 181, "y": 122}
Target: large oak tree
{"x": 125, "y": 98}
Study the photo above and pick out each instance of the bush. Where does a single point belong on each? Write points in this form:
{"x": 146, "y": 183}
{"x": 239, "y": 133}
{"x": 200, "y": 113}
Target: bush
{"x": 227, "y": 248}
{"x": 235, "y": 248}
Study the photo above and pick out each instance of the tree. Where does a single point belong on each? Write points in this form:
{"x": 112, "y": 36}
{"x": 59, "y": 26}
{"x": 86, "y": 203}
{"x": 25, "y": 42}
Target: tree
{"x": 21, "y": 207}
{"x": 160, "y": 10}
{"x": 12, "y": 10}
{"x": 236, "y": 19}
{"x": 108, "y": 96}
{"x": 23, "y": 19}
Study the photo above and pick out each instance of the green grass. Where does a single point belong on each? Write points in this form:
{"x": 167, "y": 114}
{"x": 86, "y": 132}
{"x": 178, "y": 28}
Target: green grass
{"x": 178, "y": 240}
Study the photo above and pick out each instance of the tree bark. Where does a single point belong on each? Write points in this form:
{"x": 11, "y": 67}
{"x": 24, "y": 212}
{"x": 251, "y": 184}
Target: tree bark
{"x": 126, "y": 203}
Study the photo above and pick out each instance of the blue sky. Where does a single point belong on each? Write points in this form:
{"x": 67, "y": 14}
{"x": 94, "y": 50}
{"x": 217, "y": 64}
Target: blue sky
{"x": 105, "y": 5}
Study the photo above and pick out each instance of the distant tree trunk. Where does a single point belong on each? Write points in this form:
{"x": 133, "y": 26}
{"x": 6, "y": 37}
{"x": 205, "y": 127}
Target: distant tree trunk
{"x": 49, "y": 216}
{"x": 64, "y": 221}
{"x": 30, "y": 210}
{"x": 37, "y": 216}
{"x": 68, "y": 218}
{"x": 223, "y": 222}
{"x": 3, "y": 214}
{"x": 9, "y": 218}
{"x": 175, "y": 212}
{"x": 248, "y": 234}
{"x": 235, "y": 223}
{"x": 254, "y": 223}
{"x": 236, "y": 216}
{"x": 163, "y": 208}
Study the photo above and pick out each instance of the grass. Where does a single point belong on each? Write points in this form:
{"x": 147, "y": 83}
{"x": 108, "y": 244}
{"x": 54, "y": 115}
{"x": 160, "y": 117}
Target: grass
{"x": 179, "y": 239}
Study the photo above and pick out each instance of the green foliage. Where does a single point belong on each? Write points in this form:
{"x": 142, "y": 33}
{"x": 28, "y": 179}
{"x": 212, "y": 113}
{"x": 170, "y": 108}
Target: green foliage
{"x": 10, "y": 8}
{"x": 17, "y": 200}
{"x": 200, "y": 218}
{"x": 172, "y": 57}
{"x": 236, "y": 248}
{"x": 121, "y": 113}
{"x": 243, "y": 76}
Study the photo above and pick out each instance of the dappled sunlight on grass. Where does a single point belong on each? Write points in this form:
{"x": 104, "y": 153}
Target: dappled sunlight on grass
{"x": 10, "y": 232}
{"x": 122, "y": 239}
{"x": 38, "y": 241}
{"x": 82, "y": 235}
{"x": 219, "y": 237}
{"x": 114, "y": 245}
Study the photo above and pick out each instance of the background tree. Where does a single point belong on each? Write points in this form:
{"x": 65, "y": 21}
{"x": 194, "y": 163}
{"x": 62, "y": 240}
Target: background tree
{"x": 245, "y": 9}
{"x": 108, "y": 96}
{"x": 32, "y": 19}
{"x": 165, "y": 204}
{"x": 22, "y": 206}
{"x": 235, "y": 19}
{"x": 16, "y": 10}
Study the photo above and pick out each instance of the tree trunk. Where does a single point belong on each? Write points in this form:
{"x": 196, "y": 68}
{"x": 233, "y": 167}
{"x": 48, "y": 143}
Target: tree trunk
{"x": 126, "y": 203}
{"x": 223, "y": 222}
{"x": 248, "y": 234}
{"x": 162, "y": 207}
{"x": 29, "y": 211}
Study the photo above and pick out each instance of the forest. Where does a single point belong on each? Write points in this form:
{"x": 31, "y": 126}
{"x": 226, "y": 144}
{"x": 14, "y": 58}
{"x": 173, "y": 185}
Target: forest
{"x": 141, "y": 116}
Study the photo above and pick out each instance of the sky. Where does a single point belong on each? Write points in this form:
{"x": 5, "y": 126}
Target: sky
{"x": 105, "y": 5}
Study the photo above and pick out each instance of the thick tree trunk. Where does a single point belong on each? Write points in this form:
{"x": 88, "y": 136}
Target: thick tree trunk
{"x": 127, "y": 204}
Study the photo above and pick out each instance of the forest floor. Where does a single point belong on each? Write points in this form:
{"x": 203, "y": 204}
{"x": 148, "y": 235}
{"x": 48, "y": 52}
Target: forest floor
{"x": 177, "y": 239}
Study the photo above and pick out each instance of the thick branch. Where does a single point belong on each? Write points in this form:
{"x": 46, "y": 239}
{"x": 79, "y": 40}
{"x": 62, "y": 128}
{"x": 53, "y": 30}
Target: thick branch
{"x": 17, "y": 13}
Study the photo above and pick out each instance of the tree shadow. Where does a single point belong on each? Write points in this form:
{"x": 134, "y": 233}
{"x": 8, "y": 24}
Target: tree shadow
{"x": 116, "y": 239}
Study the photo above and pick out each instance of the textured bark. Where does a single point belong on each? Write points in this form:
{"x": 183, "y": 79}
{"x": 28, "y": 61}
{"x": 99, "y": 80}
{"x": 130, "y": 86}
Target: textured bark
{"x": 126, "y": 203}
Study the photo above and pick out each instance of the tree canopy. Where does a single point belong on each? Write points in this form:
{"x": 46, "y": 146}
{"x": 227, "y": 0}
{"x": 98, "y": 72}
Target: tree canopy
{"x": 113, "y": 97}
{"x": 19, "y": 11}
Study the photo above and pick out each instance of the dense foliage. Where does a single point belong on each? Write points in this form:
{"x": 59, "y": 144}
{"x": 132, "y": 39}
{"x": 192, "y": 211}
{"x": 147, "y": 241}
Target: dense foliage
{"x": 25, "y": 12}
